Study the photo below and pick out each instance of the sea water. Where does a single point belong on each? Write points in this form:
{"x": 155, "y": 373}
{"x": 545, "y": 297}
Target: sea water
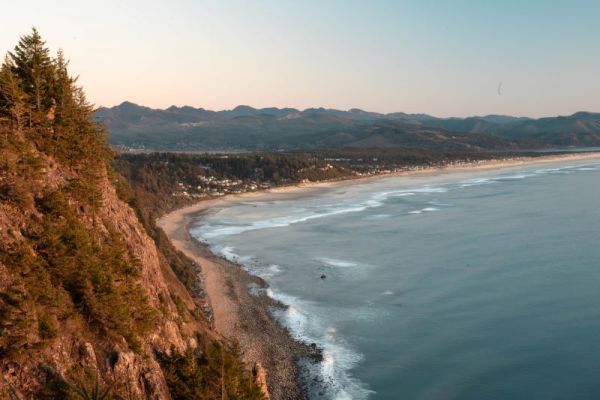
{"x": 464, "y": 285}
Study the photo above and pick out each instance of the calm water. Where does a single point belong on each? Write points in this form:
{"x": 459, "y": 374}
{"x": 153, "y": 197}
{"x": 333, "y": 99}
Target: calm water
{"x": 480, "y": 285}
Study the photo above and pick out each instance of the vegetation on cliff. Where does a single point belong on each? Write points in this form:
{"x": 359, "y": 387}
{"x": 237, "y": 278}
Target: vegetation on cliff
{"x": 199, "y": 374}
{"x": 85, "y": 296}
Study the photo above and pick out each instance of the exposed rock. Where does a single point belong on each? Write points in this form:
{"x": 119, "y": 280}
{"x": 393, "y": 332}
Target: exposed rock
{"x": 74, "y": 347}
{"x": 144, "y": 378}
{"x": 260, "y": 376}
{"x": 88, "y": 356}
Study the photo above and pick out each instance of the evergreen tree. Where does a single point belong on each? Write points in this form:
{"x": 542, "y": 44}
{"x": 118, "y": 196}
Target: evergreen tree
{"x": 33, "y": 66}
{"x": 12, "y": 97}
{"x": 64, "y": 89}
{"x": 37, "y": 88}
{"x": 64, "y": 107}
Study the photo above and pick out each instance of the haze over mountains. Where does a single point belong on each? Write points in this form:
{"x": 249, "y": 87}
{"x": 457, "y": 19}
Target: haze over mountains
{"x": 246, "y": 128}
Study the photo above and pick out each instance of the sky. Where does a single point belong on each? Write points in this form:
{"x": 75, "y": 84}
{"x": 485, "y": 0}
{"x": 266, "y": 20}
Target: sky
{"x": 445, "y": 58}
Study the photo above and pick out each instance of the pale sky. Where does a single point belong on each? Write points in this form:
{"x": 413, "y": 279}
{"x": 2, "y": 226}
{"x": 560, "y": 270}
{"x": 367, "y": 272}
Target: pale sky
{"x": 445, "y": 58}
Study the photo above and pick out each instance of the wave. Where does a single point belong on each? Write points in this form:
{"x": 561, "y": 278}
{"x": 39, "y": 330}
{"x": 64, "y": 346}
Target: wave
{"x": 382, "y": 196}
{"x": 265, "y": 272}
{"x": 274, "y": 269}
{"x": 332, "y": 262}
{"x": 227, "y": 252}
{"x": 513, "y": 177}
{"x": 331, "y": 377}
{"x": 379, "y": 216}
{"x": 492, "y": 179}
{"x": 424, "y": 210}
{"x": 475, "y": 182}
{"x": 524, "y": 175}
{"x": 210, "y": 231}
{"x": 554, "y": 170}
{"x": 247, "y": 262}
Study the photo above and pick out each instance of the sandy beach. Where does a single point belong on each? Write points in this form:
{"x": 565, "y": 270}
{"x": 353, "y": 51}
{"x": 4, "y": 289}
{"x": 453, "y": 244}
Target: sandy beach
{"x": 239, "y": 315}
{"x": 244, "y": 317}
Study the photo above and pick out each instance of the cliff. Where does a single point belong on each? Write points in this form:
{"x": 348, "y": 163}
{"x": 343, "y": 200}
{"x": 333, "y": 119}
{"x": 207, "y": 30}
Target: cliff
{"x": 87, "y": 299}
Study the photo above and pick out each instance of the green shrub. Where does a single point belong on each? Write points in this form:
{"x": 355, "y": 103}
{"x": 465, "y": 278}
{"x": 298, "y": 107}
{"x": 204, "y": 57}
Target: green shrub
{"x": 47, "y": 328}
{"x": 215, "y": 371}
{"x": 179, "y": 305}
{"x": 96, "y": 271}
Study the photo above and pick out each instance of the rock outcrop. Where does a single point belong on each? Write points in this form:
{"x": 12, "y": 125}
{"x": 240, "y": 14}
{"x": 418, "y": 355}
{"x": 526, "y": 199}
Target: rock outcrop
{"x": 80, "y": 348}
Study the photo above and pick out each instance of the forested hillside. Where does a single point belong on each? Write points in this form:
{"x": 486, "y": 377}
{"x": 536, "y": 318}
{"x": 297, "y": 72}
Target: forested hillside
{"x": 161, "y": 182}
{"x": 88, "y": 300}
{"x": 246, "y": 128}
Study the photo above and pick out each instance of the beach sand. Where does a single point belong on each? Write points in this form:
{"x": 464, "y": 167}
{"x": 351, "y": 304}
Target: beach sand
{"x": 244, "y": 317}
{"x": 239, "y": 315}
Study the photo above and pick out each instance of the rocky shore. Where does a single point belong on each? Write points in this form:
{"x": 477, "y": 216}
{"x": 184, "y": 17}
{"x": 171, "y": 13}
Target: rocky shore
{"x": 242, "y": 315}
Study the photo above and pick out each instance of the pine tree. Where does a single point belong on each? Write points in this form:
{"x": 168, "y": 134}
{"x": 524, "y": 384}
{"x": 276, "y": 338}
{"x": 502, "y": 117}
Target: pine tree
{"x": 12, "y": 97}
{"x": 64, "y": 108}
{"x": 64, "y": 89}
{"x": 33, "y": 66}
{"x": 39, "y": 88}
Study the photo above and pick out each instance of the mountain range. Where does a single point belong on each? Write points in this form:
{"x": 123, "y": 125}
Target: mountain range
{"x": 247, "y": 128}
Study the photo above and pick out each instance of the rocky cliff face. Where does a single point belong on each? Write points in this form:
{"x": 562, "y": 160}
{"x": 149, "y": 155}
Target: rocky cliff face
{"x": 89, "y": 302}
{"x": 77, "y": 352}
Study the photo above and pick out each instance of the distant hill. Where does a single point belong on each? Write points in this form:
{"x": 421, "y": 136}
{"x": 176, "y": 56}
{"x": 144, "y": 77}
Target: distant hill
{"x": 248, "y": 128}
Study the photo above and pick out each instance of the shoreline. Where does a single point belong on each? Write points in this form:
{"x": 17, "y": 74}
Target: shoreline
{"x": 203, "y": 205}
{"x": 244, "y": 317}
{"x": 241, "y": 316}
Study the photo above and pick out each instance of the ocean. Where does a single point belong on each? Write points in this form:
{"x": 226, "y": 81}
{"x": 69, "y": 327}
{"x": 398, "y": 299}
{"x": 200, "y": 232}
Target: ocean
{"x": 481, "y": 284}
